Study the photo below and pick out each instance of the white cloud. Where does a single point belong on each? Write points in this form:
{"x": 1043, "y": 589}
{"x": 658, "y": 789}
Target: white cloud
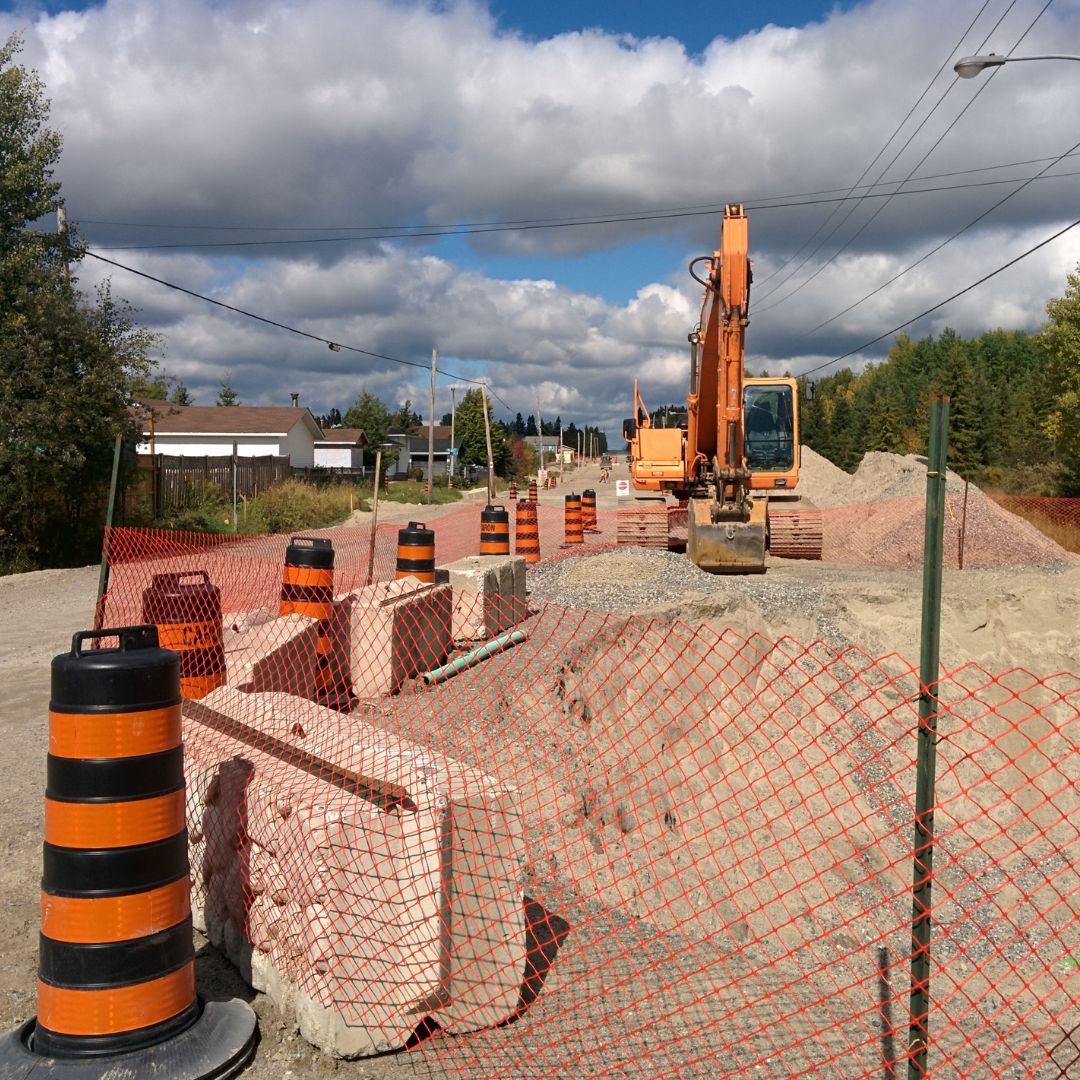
{"x": 371, "y": 112}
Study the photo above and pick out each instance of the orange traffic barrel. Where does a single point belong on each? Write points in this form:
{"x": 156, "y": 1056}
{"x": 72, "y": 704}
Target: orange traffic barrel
{"x": 186, "y": 609}
{"x": 307, "y": 588}
{"x": 552, "y": 480}
{"x": 116, "y": 967}
{"x": 494, "y": 531}
{"x": 385, "y": 482}
{"x": 527, "y": 532}
{"x": 588, "y": 510}
{"x": 513, "y": 491}
{"x": 574, "y": 531}
{"x": 532, "y": 491}
{"x": 416, "y": 552}
{"x": 307, "y": 582}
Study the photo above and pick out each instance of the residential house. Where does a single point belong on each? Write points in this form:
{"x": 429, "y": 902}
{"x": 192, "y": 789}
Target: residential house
{"x": 213, "y": 430}
{"x": 414, "y": 452}
{"x": 341, "y": 448}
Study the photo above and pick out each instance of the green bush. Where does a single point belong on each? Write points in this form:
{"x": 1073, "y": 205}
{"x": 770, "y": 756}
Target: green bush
{"x": 295, "y": 505}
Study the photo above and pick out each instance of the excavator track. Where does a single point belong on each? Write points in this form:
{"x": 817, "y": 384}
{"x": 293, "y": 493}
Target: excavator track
{"x": 643, "y": 526}
{"x": 795, "y": 534}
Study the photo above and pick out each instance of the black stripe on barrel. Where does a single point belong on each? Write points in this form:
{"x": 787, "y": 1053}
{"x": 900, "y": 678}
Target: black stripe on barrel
{"x": 527, "y": 532}
{"x": 186, "y": 609}
{"x": 494, "y": 531}
{"x": 532, "y": 491}
{"x": 416, "y": 552}
{"x": 116, "y": 969}
{"x": 512, "y": 494}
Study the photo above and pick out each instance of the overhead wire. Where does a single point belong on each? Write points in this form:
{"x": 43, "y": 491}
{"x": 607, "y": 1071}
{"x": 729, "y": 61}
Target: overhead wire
{"x": 941, "y": 303}
{"x": 332, "y": 342}
{"x": 751, "y": 201}
{"x": 440, "y": 231}
{"x": 869, "y": 166}
{"x": 881, "y": 207}
{"x": 934, "y": 250}
{"x": 922, "y": 123}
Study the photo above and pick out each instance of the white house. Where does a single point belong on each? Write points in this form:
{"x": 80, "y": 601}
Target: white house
{"x": 255, "y": 430}
{"x": 341, "y": 448}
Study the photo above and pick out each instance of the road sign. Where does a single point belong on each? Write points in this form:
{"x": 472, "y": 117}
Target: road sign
{"x": 622, "y": 487}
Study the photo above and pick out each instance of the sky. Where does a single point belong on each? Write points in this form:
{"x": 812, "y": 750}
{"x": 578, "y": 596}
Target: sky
{"x": 521, "y": 186}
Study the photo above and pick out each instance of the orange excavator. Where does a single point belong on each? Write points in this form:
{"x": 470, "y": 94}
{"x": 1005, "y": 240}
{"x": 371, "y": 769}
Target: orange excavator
{"x": 740, "y": 440}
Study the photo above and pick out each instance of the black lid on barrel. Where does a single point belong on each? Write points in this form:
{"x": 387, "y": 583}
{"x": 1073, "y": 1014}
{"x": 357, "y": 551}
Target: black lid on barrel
{"x": 313, "y": 551}
{"x": 134, "y": 674}
{"x": 174, "y": 598}
{"x": 416, "y": 534}
{"x": 495, "y": 513}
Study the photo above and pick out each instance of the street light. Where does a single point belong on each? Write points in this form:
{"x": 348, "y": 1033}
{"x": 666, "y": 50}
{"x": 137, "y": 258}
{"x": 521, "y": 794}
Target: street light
{"x": 967, "y": 67}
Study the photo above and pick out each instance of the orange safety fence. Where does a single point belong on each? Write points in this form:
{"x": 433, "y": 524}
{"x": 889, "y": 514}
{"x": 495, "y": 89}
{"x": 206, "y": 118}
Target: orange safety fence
{"x": 614, "y": 846}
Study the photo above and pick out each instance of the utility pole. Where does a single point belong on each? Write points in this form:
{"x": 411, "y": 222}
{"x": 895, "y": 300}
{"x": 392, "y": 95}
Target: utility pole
{"x": 431, "y": 434}
{"x": 540, "y": 433}
{"x": 487, "y": 436}
{"x": 559, "y": 452}
{"x": 453, "y": 417}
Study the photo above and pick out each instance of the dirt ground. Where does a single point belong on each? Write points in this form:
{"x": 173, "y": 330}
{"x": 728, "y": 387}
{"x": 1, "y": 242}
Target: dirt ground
{"x": 1028, "y": 616}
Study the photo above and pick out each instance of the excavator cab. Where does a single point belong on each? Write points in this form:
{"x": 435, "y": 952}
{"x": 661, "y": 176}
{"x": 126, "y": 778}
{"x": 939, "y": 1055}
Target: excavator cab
{"x": 771, "y": 433}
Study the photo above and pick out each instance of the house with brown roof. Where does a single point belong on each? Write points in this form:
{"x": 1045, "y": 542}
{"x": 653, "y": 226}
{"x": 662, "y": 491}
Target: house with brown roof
{"x": 213, "y": 430}
{"x": 341, "y": 448}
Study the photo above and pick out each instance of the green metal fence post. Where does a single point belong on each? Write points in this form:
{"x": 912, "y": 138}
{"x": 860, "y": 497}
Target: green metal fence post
{"x": 103, "y": 575}
{"x": 926, "y": 762}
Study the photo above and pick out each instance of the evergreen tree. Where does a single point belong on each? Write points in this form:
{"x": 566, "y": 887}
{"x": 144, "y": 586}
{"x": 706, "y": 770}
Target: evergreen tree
{"x": 66, "y": 363}
{"x": 530, "y": 427}
{"x": 181, "y": 395}
{"x": 227, "y": 395}
{"x": 1060, "y": 337}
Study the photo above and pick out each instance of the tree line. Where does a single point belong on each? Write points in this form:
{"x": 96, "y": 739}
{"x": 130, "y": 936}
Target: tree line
{"x": 1013, "y": 403}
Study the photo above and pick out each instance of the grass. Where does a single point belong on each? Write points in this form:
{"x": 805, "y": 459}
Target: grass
{"x": 415, "y": 491}
{"x": 1058, "y": 527}
{"x": 285, "y": 507}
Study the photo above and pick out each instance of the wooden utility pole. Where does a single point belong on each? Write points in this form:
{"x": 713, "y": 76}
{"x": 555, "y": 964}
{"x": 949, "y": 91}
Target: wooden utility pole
{"x": 453, "y": 417}
{"x": 487, "y": 436}
{"x": 540, "y": 435}
{"x": 431, "y": 433}
{"x": 374, "y": 515}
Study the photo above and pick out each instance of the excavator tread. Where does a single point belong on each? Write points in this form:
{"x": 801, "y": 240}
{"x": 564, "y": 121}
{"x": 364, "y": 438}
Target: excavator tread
{"x": 795, "y": 534}
{"x": 643, "y": 526}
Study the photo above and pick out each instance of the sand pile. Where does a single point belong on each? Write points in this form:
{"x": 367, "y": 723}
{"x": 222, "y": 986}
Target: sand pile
{"x": 875, "y": 517}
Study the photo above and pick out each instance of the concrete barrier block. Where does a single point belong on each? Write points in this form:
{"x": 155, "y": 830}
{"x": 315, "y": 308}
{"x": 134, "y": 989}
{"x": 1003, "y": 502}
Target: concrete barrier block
{"x": 399, "y": 629}
{"x": 489, "y": 595}
{"x": 277, "y": 655}
{"x": 391, "y": 890}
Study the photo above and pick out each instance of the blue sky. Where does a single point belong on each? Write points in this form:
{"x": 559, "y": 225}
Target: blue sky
{"x": 692, "y": 22}
{"x": 189, "y": 122}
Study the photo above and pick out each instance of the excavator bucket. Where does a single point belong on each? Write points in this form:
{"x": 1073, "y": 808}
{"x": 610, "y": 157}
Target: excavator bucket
{"x": 726, "y": 547}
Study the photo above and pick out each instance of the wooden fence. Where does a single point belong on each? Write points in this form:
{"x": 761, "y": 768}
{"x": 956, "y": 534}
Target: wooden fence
{"x": 174, "y": 482}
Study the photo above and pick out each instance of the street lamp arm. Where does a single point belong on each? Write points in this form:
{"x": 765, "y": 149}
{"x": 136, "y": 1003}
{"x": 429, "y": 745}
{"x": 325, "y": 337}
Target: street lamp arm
{"x": 967, "y": 67}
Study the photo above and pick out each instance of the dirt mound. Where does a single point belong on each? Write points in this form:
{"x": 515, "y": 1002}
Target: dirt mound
{"x": 879, "y": 476}
{"x": 875, "y": 516}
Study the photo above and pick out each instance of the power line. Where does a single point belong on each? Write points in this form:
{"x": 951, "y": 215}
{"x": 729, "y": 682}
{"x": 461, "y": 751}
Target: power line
{"x": 749, "y": 201}
{"x": 440, "y": 231}
{"x": 872, "y": 162}
{"x": 843, "y": 247}
{"x": 335, "y": 345}
{"x": 942, "y": 303}
{"x": 934, "y": 250}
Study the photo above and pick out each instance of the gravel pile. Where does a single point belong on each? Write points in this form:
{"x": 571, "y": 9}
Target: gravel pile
{"x": 879, "y": 476}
